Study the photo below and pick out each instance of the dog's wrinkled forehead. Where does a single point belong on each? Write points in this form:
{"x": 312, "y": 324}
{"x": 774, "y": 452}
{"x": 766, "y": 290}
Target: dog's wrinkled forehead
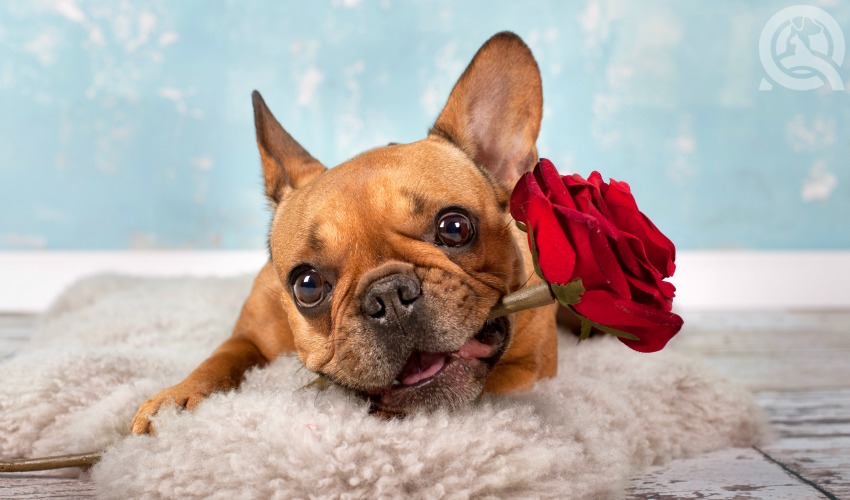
{"x": 399, "y": 191}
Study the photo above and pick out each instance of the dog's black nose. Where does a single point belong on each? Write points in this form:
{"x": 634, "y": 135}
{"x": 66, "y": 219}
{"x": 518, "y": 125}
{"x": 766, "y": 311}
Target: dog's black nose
{"x": 396, "y": 293}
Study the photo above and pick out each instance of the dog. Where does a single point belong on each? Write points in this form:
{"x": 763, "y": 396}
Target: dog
{"x": 382, "y": 270}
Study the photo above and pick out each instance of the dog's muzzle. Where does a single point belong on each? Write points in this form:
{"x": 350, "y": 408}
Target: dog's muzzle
{"x": 433, "y": 380}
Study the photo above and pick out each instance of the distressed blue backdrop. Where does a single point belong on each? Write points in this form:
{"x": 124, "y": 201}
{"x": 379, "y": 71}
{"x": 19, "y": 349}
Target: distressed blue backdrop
{"x": 129, "y": 125}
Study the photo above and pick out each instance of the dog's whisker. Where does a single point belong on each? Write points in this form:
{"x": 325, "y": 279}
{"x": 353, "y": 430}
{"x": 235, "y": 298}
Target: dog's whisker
{"x": 527, "y": 279}
{"x": 511, "y": 221}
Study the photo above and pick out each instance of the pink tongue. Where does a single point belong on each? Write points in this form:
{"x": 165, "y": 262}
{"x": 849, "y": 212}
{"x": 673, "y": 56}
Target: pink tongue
{"x": 423, "y": 365}
{"x": 475, "y": 349}
{"x": 420, "y": 366}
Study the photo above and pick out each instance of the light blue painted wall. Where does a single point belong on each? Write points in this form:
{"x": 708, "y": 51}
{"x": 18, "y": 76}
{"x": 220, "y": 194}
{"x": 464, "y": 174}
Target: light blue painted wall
{"x": 128, "y": 124}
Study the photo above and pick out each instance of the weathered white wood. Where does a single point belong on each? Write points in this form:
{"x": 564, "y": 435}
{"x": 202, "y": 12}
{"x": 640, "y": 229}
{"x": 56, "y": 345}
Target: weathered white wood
{"x": 9, "y": 347}
{"x": 15, "y": 330}
{"x": 31, "y": 486}
{"x": 825, "y": 466}
{"x": 771, "y": 350}
{"x": 728, "y": 474}
{"x": 809, "y": 352}
{"x": 813, "y": 431}
{"x": 17, "y": 325}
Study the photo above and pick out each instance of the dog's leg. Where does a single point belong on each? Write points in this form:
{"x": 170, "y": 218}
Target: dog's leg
{"x": 261, "y": 334}
{"x": 220, "y": 372}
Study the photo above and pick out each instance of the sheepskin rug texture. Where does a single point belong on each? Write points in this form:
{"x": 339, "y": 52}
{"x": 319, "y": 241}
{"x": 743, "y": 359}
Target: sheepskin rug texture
{"x": 110, "y": 342}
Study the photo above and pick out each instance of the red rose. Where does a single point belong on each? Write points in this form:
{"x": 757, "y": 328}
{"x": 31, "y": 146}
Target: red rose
{"x": 601, "y": 255}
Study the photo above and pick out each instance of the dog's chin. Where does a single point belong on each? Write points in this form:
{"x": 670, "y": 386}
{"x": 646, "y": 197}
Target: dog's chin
{"x": 443, "y": 380}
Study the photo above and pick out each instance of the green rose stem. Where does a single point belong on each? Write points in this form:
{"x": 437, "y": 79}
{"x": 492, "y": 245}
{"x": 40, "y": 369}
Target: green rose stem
{"x": 538, "y": 295}
{"x": 543, "y": 294}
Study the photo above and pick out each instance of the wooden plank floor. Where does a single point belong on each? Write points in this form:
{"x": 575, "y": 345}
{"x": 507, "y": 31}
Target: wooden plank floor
{"x": 797, "y": 363}
{"x": 27, "y": 486}
{"x": 15, "y": 329}
{"x": 810, "y": 457}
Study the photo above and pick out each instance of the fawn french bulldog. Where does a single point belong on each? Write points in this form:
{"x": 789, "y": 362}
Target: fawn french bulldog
{"x": 383, "y": 270}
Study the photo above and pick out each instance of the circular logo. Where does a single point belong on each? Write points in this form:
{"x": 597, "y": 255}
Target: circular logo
{"x": 802, "y": 48}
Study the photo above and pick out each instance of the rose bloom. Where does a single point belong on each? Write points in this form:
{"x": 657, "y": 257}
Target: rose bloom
{"x": 593, "y": 231}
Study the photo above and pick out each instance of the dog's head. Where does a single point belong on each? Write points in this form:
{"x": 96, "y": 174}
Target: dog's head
{"x": 391, "y": 261}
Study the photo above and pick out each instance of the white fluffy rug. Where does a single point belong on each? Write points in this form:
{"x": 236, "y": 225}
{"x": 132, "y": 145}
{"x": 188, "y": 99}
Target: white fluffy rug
{"x": 109, "y": 342}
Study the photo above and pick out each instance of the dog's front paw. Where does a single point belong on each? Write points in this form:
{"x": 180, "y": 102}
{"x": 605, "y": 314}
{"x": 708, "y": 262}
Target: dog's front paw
{"x": 181, "y": 395}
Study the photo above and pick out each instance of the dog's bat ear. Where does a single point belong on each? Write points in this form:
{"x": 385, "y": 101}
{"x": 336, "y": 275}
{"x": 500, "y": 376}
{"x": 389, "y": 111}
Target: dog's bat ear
{"x": 286, "y": 164}
{"x": 495, "y": 108}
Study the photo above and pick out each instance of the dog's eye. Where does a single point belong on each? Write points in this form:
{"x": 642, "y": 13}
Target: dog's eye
{"x": 454, "y": 229}
{"x": 309, "y": 287}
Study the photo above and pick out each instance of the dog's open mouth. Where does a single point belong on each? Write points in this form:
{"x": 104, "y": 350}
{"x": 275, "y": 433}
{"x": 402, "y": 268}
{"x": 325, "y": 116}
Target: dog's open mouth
{"x": 430, "y": 380}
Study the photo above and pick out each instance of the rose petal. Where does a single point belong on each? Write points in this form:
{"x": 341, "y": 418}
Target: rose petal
{"x": 598, "y": 184}
{"x": 659, "y": 295}
{"x": 519, "y": 198}
{"x": 625, "y": 214}
{"x": 648, "y": 271}
{"x": 594, "y": 231}
{"x": 596, "y": 265}
{"x": 589, "y": 200}
{"x": 654, "y": 327}
{"x": 556, "y": 255}
{"x": 549, "y": 179}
